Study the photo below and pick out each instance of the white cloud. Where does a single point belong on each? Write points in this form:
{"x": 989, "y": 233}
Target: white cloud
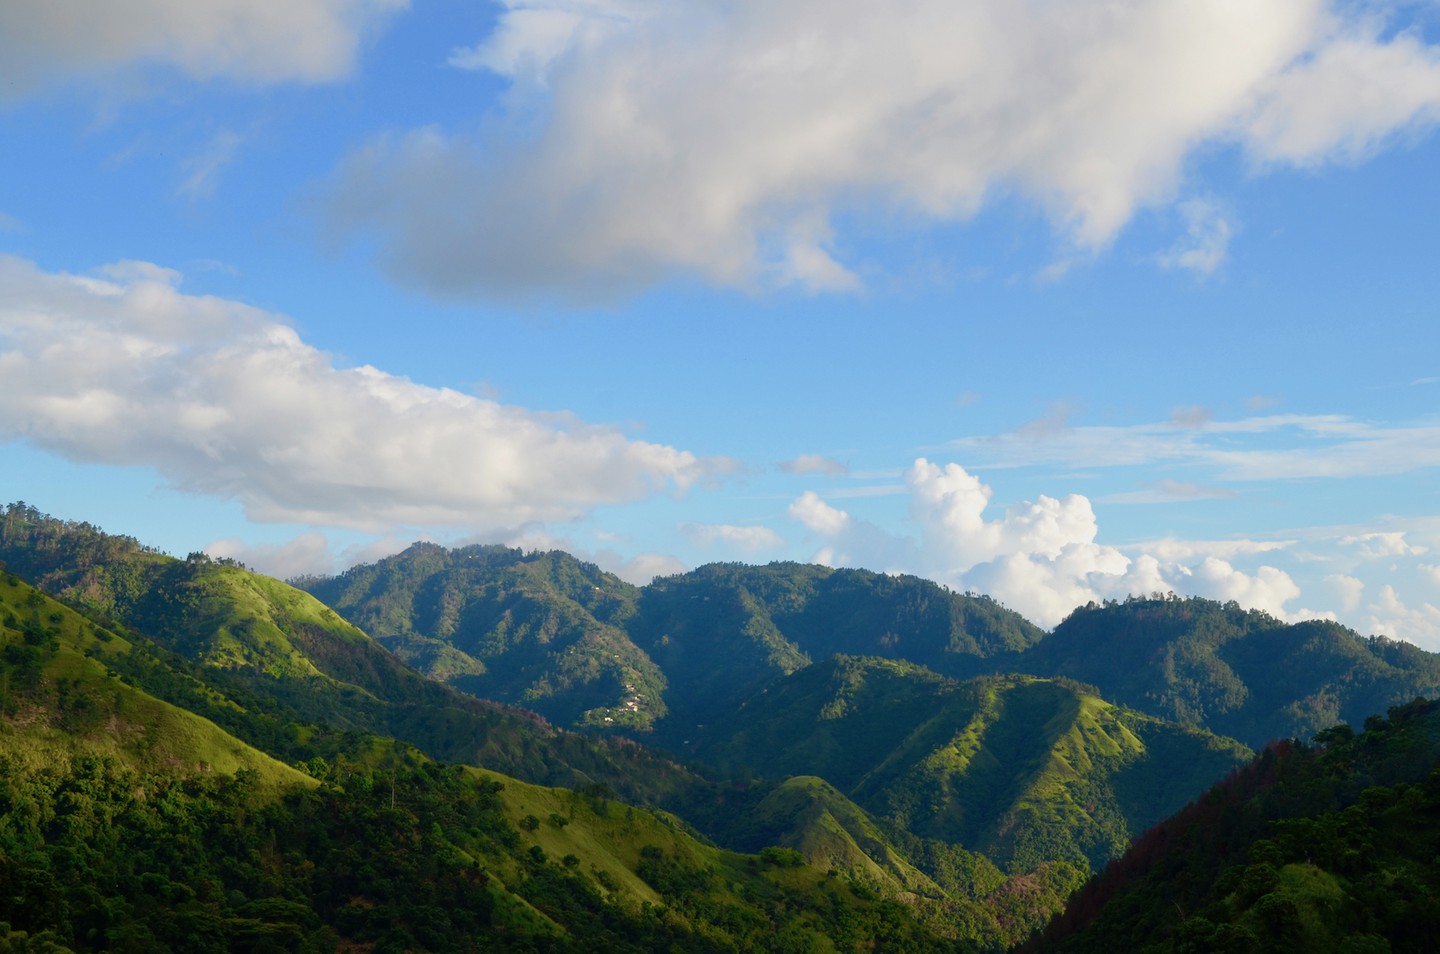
{"x": 1169, "y": 491}
{"x": 1172, "y": 550}
{"x": 641, "y": 569}
{"x": 1039, "y": 557}
{"x": 1345, "y": 100}
{"x": 724, "y": 138}
{"x": 814, "y": 464}
{"x": 225, "y": 399}
{"x": 1390, "y": 616}
{"x": 307, "y": 554}
{"x": 818, "y": 516}
{"x": 250, "y": 41}
{"x": 752, "y": 538}
{"x": 1432, "y": 571}
{"x": 1348, "y": 590}
{"x": 1380, "y": 545}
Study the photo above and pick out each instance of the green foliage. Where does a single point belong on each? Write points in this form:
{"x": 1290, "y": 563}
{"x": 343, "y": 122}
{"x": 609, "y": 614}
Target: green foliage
{"x": 1238, "y": 673}
{"x": 1333, "y": 848}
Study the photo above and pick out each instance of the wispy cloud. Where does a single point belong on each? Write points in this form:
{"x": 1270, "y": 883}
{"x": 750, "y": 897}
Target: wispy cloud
{"x": 814, "y": 464}
{"x": 202, "y": 171}
{"x": 1209, "y": 226}
{"x": 1274, "y": 447}
{"x": 752, "y": 539}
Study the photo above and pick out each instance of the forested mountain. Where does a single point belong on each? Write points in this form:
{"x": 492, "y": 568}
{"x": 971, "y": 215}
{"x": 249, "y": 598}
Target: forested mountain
{"x": 584, "y": 648}
{"x": 129, "y": 823}
{"x": 1332, "y": 847}
{"x": 542, "y": 630}
{"x": 1240, "y": 673}
{"x": 896, "y": 763}
{"x": 1023, "y": 770}
{"x": 548, "y": 632}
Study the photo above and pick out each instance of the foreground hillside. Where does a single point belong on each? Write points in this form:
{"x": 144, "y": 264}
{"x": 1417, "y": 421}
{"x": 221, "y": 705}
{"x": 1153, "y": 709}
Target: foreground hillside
{"x": 131, "y": 824}
{"x": 949, "y": 800}
{"x": 1334, "y": 847}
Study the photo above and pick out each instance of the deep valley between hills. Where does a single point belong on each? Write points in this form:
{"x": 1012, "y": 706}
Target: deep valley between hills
{"x": 491, "y": 750}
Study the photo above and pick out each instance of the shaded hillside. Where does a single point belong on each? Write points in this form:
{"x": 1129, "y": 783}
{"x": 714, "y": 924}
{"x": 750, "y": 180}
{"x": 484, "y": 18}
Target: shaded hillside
{"x": 1023, "y": 770}
{"x": 721, "y": 632}
{"x": 542, "y": 630}
{"x": 1236, "y": 672}
{"x": 1328, "y": 848}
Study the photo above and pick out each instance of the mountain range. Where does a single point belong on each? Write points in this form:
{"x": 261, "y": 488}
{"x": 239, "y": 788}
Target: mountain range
{"x": 795, "y": 751}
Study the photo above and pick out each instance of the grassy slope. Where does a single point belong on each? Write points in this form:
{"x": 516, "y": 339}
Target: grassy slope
{"x": 74, "y": 704}
{"x": 1021, "y": 769}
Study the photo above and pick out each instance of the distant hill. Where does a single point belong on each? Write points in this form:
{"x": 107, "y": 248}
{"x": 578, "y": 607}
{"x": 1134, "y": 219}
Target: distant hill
{"x": 541, "y": 630}
{"x": 582, "y": 647}
{"x": 1236, "y": 672}
{"x": 1328, "y": 848}
{"x": 1023, "y": 770}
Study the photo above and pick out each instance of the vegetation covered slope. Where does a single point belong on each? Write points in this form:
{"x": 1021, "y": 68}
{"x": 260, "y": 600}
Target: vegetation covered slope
{"x": 1023, "y": 770}
{"x": 1239, "y": 673}
{"x": 98, "y": 857}
{"x": 280, "y": 670}
{"x": 548, "y": 632}
{"x": 61, "y": 701}
{"x": 542, "y": 630}
{"x": 1334, "y": 847}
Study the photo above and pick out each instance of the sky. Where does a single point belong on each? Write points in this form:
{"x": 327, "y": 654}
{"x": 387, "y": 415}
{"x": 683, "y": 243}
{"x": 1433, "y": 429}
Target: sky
{"x": 1054, "y": 301}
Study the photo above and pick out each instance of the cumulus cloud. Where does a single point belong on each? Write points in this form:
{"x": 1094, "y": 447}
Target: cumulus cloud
{"x": 814, "y": 464}
{"x": 224, "y": 399}
{"x": 249, "y": 41}
{"x": 1391, "y": 616}
{"x": 752, "y": 538}
{"x": 818, "y": 516}
{"x": 725, "y": 139}
{"x": 1039, "y": 557}
{"x": 1348, "y": 590}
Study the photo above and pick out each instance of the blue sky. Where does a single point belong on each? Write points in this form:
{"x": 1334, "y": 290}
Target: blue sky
{"x": 1058, "y": 302}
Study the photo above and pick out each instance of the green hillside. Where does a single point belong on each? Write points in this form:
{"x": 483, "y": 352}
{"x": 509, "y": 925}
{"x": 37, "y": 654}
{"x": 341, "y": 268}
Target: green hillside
{"x": 1023, "y": 770}
{"x": 580, "y": 646}
{"x": 1239, "y": 673}
{"x": 1334, "y": 847}
{"x": 542, "y": 630}
{"x": 61, "y": 701}
{"x": 128, "y": 823}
